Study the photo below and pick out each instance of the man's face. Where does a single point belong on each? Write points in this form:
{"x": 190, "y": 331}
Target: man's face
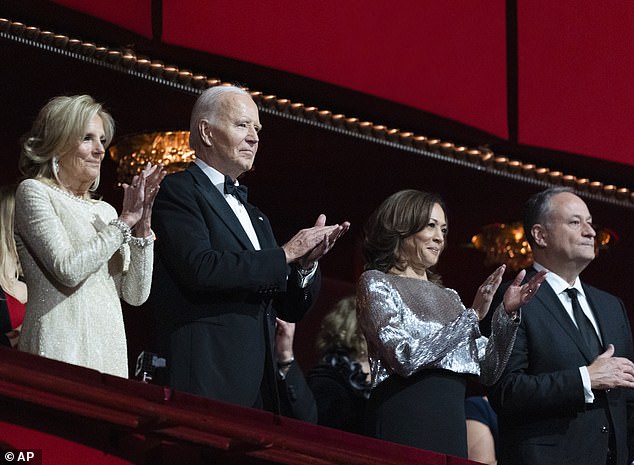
{"x": 567, "y": 231}
{"x": 234, "y": 135}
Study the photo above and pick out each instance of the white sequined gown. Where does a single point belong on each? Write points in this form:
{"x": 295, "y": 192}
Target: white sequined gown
{"x": 76, "y": 271}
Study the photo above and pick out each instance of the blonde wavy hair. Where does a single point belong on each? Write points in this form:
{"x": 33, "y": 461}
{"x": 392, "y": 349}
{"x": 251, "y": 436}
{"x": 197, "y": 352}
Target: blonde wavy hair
{"x": 9, "y": 263}
{"x": 339, "y": 331}
{"x": 57, "y": 131}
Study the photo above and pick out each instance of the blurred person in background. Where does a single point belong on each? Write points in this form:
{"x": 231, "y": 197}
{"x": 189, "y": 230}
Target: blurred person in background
{"x": 341, "y": 380}
{"x": 13, "y": 293}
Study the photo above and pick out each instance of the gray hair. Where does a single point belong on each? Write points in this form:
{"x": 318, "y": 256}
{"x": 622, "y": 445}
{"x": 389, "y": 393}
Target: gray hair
{"x": 206, "y": 108}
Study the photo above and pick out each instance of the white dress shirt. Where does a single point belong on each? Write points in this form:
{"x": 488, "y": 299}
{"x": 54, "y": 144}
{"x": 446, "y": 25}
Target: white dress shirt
{"x": 218, "y": 180}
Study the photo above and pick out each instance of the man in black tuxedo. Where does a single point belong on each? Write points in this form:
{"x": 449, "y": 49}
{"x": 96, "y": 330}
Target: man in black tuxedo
{"x": 566, "y": 394}
{"x": 220, "y": 279}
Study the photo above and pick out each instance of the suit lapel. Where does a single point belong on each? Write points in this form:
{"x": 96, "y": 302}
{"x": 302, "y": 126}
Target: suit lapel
{"x": 216, "y": 202}
{"x": 549, "y": 300}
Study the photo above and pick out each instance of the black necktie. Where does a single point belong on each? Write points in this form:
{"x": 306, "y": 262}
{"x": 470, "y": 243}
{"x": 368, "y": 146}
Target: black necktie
{"x": 586, "y": 329}
{"x": 239, "y": 192}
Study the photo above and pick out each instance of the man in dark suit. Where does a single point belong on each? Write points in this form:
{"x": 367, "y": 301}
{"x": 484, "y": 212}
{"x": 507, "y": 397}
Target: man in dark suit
{"x": 220, "y": 279}
{"x": 566, "y": 394}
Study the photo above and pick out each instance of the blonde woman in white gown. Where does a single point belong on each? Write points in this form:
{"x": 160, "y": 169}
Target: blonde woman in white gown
{"x": 78, "y": 256}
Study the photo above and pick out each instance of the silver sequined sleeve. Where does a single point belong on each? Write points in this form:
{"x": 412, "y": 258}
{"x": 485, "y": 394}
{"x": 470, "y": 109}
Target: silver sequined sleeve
{"x": 412, "y": 324}
{"x": 499, "y": 346}
{"x": 400, "y": 337}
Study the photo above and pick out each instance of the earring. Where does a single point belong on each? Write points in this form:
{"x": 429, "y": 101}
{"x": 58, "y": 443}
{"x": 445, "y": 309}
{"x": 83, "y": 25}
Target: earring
{"x": 55, "y": 166}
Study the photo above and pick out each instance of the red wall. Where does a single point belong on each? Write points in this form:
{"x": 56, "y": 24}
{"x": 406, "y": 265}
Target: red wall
{"x": 576, "y": 62}
{"x": 447, "y": 58}
{"x": 133, "y": 15}
{"x": 574, "y": 59}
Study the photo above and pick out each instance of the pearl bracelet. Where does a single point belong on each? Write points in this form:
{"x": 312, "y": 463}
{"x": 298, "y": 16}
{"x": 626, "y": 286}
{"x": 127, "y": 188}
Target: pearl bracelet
{"x": 124, "y": 228}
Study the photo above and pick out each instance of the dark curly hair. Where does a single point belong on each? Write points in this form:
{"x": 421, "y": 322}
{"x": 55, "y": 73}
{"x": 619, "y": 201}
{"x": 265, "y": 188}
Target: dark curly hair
{"x": 399, "y": 216}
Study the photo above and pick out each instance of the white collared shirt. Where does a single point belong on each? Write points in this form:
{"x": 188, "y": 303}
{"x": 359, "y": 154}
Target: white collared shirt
{"x": 559, "y": 285}
{"x": 218, "y": 180}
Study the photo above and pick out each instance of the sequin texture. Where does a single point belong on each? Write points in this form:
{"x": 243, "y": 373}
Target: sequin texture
{"x": 73, "y": 264}
{"x": 412, "y": 324}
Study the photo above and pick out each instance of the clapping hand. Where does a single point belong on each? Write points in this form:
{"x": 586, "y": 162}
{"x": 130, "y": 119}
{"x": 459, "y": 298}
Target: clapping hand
{"x": 133, "y": 196}
{"x": 311, "y": 244}
{"x": 153, "y": 175}
{"x": 138, "y": 198}
{"x": 516, "y": 295}
{"x": 486, "y": 291}
{"x": 519, "y": 294}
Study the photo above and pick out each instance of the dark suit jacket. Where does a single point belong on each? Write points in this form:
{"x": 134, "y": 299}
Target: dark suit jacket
{"x": 543, "y": 417}
{"x": 296, "y": 398}
{"x": 215, "y": 297}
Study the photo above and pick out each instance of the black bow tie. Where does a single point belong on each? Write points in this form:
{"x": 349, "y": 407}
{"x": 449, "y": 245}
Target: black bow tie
{"x": 239, "y": 192}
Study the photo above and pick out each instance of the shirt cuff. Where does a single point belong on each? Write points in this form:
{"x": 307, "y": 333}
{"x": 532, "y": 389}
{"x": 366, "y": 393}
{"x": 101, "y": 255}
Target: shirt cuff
{"x": 587, "y": 386}
{"x": 143, "y": 241}
{"x": 306, "y": 277}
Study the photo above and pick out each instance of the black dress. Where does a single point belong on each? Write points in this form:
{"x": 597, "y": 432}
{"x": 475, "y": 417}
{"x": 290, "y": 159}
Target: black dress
{"x": 424, "y": 410}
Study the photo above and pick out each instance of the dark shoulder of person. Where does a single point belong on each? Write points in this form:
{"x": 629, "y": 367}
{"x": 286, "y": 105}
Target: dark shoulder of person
{"x": 341, "y": 390}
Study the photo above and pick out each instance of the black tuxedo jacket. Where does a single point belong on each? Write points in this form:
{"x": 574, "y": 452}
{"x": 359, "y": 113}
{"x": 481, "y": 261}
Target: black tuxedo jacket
{"x": 543, "y": 417}
{"x": 215, "y": 297}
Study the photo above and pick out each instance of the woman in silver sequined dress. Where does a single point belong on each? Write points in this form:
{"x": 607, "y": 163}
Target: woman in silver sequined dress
{"x": 422, "y": 341}
{"x": 78, "y": 256}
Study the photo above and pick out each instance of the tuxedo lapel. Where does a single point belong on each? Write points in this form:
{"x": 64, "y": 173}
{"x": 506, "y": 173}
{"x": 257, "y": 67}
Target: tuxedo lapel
{"x": 219, "y": 205}
{"x": 261, "y": 227}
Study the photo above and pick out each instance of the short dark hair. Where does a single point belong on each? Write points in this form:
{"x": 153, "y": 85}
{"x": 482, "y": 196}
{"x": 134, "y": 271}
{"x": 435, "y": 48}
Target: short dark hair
{"x": 537, "y": 209}
{"x": 399, "y": 216}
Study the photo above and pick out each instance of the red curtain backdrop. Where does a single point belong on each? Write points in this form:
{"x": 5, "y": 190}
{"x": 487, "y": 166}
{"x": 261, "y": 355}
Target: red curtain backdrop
{"x": 576, "y": 63}
{"x": 135, "y": 15}
{"x": 575, "y": 59}
{"x": 448, "y": 58}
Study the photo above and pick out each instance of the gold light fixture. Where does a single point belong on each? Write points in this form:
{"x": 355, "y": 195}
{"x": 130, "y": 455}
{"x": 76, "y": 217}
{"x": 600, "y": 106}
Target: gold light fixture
{"x": 132, "y": 153}
{"x": 506, "y": 243}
